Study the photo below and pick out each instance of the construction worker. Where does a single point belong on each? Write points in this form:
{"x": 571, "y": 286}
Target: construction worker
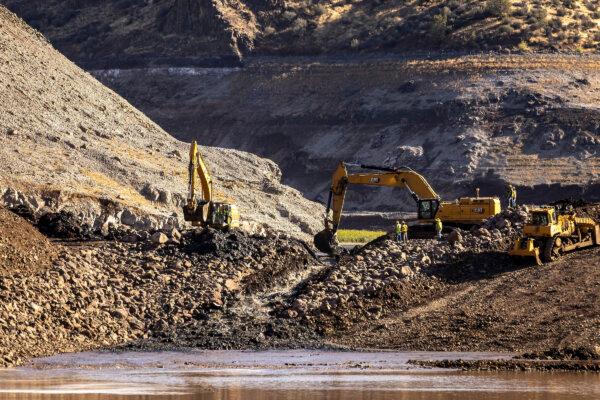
{"x": 511, "y": 194}
{"x": 398, "y": 231}
{"x": 438, "y": 228}
{"x": 514, "y": 196}
{"x": 404, "y": 231}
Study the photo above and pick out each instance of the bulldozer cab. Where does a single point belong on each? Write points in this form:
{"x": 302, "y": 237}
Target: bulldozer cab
{"x": 428, "y": 208}
{"x": 543, "y": 217}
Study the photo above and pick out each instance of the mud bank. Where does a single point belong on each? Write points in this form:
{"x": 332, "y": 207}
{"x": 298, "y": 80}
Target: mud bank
{"x": 513, "y": 365}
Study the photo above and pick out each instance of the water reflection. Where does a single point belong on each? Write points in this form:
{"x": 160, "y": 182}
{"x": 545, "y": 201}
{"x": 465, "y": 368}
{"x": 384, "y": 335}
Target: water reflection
{"x": 278, "y": 375}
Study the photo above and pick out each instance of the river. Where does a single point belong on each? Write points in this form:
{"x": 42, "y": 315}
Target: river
{"x": 270, "y": 375}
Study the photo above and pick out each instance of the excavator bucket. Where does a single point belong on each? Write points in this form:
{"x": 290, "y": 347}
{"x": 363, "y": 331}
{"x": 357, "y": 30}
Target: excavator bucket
{"x": 326, "y": 241}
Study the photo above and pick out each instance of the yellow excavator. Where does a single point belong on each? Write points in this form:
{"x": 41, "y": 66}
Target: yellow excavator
{"x": 464, "y": 211}
{"x": 549, "y": 234}
{"x": 206, "y": 212}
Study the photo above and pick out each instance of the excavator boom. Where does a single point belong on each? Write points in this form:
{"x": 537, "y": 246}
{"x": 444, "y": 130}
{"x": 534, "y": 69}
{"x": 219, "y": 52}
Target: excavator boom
{"x": 411, "y": 180}
{"x": 198, "y": 171}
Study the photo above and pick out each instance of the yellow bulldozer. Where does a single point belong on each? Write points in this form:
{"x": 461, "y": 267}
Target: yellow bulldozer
{"x": 548, "y": 234}
{"x": 466, "y": 211}
{"x": 205, "y": 212}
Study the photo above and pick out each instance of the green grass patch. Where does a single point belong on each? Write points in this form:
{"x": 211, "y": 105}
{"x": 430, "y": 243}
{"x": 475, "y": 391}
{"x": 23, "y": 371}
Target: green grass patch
{"x": 358, "y": 236}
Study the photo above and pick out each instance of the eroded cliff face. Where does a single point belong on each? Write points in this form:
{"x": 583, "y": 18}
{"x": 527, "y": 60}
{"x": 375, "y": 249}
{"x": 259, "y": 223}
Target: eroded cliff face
{"x": 357, "y": 89}
{"x": 463, "y": 122}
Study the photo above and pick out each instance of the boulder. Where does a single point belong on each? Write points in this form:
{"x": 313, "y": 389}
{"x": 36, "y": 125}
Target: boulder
{"x": 128, "y": 218}
{"x": 164, "y": 196}
{"x": 159, "y": 238}
{"x": 175, "y": 234}
{"x": 455, "y": 237}
{"x": 232, "y": 285}
{"x": 483, "y": 232}
{"x": 150, "y": 192}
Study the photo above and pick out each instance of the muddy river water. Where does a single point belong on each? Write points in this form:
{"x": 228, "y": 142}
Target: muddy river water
{"x": 279, "y": 375}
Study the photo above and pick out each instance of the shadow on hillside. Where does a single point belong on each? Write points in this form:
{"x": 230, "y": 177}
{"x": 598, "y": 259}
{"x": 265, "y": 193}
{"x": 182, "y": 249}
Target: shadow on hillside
{"x": 478, "y": 266}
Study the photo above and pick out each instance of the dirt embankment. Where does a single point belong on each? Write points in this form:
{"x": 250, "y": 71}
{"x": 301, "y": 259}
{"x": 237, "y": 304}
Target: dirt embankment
{"x": 188, "y": 292}
{"x": 23, "y": 248}
{"x": 483, "y": 301}
{"x": 232, "y": 290}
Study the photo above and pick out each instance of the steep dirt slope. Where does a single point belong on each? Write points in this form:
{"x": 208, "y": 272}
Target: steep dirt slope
{"x": 66, "y": 138}
{"x": 461, "y": 121}
{"x": 23, "y": 249}
{"x": 122, "y": 33}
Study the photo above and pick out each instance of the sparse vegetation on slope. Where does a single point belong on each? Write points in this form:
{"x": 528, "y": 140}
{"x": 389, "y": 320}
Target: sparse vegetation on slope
{"x": 213, "y": 33}
{"x": 447, "y": 24}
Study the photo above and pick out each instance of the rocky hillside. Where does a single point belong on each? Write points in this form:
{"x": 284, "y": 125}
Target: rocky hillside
{"x": 122, "y": 33}
{"x": 461, "y": 121}
{"x": 66, "y": 140}
{"x": 348, "y": 80}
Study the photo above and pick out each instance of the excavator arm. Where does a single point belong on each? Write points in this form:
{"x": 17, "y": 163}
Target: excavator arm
{"x": 197, "y": 171}
{"x": 196, "y": 211}
{"x": 382, "y": 177}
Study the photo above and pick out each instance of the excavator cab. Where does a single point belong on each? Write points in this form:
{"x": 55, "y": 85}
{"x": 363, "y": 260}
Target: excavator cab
{"x": 225, "y": 216}
{"x": 217, "y": 215}
{"x": 427, "y": 209}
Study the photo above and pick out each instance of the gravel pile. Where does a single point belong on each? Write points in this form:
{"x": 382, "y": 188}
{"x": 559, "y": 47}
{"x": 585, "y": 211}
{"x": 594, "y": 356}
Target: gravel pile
{"x": 23, "y": 249}
{"x": 143, "y": 294}
{"x": 385, "y": 274}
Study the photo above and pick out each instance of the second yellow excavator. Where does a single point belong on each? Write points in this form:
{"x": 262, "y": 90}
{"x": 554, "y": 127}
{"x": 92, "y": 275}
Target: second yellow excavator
{"x": 206, "y": 212}
{"x": 464, "y": 211}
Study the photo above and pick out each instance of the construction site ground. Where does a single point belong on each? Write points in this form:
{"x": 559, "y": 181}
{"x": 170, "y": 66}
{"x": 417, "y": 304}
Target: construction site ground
{"x": 238, "y": 291}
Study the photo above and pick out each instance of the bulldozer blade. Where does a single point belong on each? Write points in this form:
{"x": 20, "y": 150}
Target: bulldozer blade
{"x": 326, "y": 242}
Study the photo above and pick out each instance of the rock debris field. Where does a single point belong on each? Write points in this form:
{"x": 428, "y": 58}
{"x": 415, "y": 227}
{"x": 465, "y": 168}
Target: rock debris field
{"x": 208, "y": 289}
